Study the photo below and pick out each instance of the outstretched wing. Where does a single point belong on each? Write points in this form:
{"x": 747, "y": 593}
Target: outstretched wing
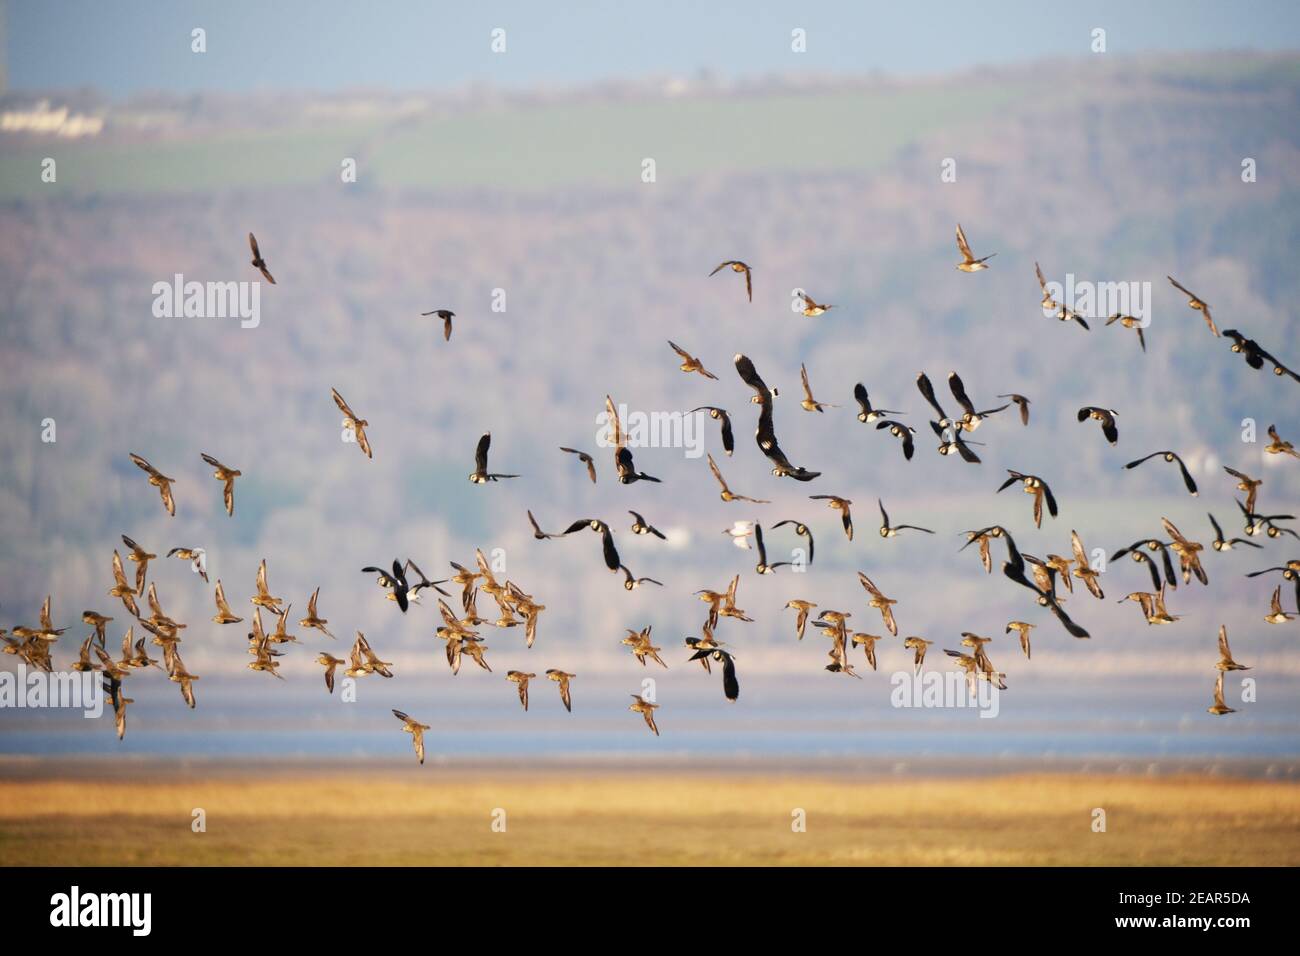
{"x": 962, "y": 244}
{"x": 927, "y": 390}
{"x": 959, "y": 393}
{"x": 615, "y": 425}
{"x": 1182, "y": 288}
{"x": 343, "y": 406}
{"x": 1188, "y": 480}
{"x": 749, "y": 375}
{"x": 607, "y": 546}
{"x": 713, "y": 467}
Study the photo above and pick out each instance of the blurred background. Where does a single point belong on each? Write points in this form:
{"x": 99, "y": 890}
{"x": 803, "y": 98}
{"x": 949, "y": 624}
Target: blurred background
{"x": 522, "y": 171}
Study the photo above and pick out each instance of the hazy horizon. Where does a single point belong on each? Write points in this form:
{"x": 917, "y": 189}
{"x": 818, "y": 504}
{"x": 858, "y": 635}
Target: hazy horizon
{"x": 408, "y": 46}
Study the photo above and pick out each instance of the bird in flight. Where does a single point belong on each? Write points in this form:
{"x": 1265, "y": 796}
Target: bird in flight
{"x": 727, "y": 494}
{"x": 224, "y": 615}
{"x": 1219, "y": 708}
{"x": 179, "y": 675}
{"x": 976, "y": 669}
{"x": 1130, "y": 322}
{"x": 809, "y": 403}
{"x": 984, "y": 538}
{"x": 313, "y": 619}
{"x": 728, "y": 607}
{"x": 121, "y": 588}
{"x": 918, "y": 647}
{"x": 263, "y": 596}
{"x": 639, "y": 526}
{"x": 968, "y": 261}
{"x": 1104, "y": 415}
{"x": 197, "y": 557}
{"x": 1141, "y": 552}
{"x": 763, "y": 395}
{"x": 623, "y": 462}
{"x": 1188, "y": 553}
{"x": 803, "y": 531}
{"x": 538, "y": 533}
{"x": 880, "y": 602}
{"x": 258, "y": 262}
{"x": 646, "y": 709}
{"x": 1225, "y": 662}
{"x": 99, "y": 622}
{"x": 1023, "y": 629}
{"x": 1188, "y": 481}
{"x": 730, "y": 684}
{"x": 866, "y": 414}
{"x": 720, "y": 415}
{"x": 159, "y": 481}
{"x": 521, "y": 679}
{"x": 446, "y": 315}
{"x": 1227, "y": 544}
{"x": 631, "y": 582}
{"x": 606, "y": 539}
{"x": 1275, "y": 613}
{"x": 413, "y": 727}
{"x": 561, "y": 678}
{"x": 423, "y": 582}
{"x": 364, "y": 660}
{"x": 1033, "y": 485}
{"x": 1084, "y": 570}
{"x": 1067, "y": 314}
{"x": 738, "y": 266}
{"x": 842, "y": 505}
{"x": 1255, "y": 354}
{"x": 903, "y": 433}
{"x": 926, "y": 388}
{"x": 833, "y": 625}
{"x": 1049, "y": 304}
{"x": 801, "y": 619}
{"x": 714, "y": 599}
{"x": 970, "y": 419}
{"x": 763, "y": 567}
{"x": 227, "y": 476}
{"x": 690, "y": 363}
{"x": 891, "y": 531}
{"x": 639, "y": 642}
{"x": 480, "y": 475}
{"x": 1255, "y": 523}
{"x": 868, "y": 642}
{"x": 395, "y": 582}
{"x": 1020, "y": 402}
{"x": 812, "y": 308}
{"x": 113, "y": 688}
{"x": 1196, "y": 303}
{"x": 1247, "y": 484}
{"x": 1276, "y": 447}
{"x": 586, "y": 459}
{"x": 329, "y": 662}
{"x": 353, "y": 423}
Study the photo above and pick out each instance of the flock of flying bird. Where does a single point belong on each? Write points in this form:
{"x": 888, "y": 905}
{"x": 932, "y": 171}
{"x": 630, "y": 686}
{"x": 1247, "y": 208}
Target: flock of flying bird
{"x": 404, "y": 583}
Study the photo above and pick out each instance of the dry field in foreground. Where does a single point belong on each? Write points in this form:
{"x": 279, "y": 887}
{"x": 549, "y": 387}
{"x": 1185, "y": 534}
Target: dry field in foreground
{"x": 443, "y": 816}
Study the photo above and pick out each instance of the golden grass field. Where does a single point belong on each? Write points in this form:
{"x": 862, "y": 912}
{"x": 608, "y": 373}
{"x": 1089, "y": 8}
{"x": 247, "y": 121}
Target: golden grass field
{"x": 444, "y": 817}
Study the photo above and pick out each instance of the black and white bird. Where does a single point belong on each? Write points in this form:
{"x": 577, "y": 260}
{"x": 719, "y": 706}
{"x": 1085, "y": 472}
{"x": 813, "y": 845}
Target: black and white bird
{"x": 480, "y": 475}
{"x": 1188, "y": 480}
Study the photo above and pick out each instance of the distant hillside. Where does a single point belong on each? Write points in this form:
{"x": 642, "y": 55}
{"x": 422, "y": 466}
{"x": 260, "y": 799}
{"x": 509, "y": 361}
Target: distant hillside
{"x": 1114, "y": 171}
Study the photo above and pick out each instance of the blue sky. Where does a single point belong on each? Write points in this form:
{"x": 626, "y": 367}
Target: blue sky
{"x": 131, "y": 46}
